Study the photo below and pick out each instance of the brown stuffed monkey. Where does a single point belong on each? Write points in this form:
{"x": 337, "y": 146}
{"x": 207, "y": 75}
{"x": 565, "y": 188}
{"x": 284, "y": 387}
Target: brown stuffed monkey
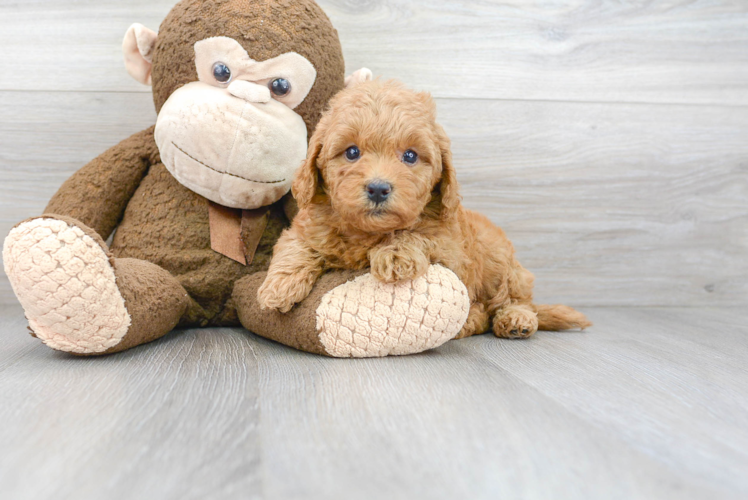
{"x": 196, "y": 203}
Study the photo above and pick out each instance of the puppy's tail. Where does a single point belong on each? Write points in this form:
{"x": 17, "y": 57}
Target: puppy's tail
{"x": 558, "y": 317}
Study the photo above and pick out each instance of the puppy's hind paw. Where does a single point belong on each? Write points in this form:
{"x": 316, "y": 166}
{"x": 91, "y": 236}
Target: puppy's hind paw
{"x": 515, "y": 322}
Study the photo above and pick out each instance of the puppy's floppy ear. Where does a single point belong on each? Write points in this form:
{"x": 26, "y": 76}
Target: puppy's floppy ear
{"x": 447, "y": 188}
{"x": 307, "y": 181}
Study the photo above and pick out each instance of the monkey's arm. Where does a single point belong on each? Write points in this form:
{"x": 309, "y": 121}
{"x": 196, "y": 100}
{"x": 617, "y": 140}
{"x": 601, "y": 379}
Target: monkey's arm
{"x": 362, "y": 318}
{"x": 98, "y": 193}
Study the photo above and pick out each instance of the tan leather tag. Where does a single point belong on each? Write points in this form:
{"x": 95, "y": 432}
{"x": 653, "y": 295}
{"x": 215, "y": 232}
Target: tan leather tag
{"x": 253, "y": 227}
{"x": 226, "y": 232}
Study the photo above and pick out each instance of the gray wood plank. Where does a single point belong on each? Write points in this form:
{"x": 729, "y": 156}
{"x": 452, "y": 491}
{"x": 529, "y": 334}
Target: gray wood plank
{"x": 669, "y": 51}
{"x": 609, "y": 204}
{"x": 675, "y": 51}
{"x": 648, "y": 404}
{"x": 71, "y": 45}
{"x": 175, "y": 419}
{"x": 16, "y": 340}
{"x": 455, "y": 423}
{"x": 612, "y": 204}
{"x": 672, "y": 383}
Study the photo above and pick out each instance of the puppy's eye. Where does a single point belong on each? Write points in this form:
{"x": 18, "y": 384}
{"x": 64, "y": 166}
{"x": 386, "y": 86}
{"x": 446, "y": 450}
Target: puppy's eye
{"x": 410, "y": 157}
{"x": 221, "y": 72}
{"x": 353, "y": 153}
{"x": 280, "y": 87}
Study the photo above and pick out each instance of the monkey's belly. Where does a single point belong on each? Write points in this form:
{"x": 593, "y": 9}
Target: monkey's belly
{"x": 167, "y": 224}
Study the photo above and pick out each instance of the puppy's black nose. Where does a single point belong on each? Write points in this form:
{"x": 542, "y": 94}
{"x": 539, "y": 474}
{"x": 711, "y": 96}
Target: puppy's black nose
{"x": 378, "y": 191}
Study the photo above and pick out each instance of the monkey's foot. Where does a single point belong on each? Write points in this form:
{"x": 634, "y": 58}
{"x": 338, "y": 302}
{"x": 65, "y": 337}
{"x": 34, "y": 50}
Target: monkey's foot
{"x": 367, "y": 318}
{"x": 515, "y": 322}
{"x": 351, "y": 314}
{"x": 63, "y": 277}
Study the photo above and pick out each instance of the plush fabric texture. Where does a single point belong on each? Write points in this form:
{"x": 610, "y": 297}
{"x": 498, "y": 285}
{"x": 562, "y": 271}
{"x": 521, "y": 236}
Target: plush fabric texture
{"x": 252, "y": 227}
{"x": 161, "y": 221}
{"x": 78, "y": 298}
{"x": 365, "y": 318}
{"x": 169, "y": 225}
{"x": 137, "y": 47}
{"x": 293, "y": 67}
{"x": 234, "y": 152}
{"x": 98, "y": 193}
{"x": 63, "y": 277}
{"x": 350, "y": 314}
{"x": 156, "y": 218}
{"x": 265, "y": 28}
{"x": 160, "y": 270}
{"x": 362, "y": 75}
{"x": 153, "y": 298}
{"x": 225, "y": 232}
{"x": 297, "y": 328}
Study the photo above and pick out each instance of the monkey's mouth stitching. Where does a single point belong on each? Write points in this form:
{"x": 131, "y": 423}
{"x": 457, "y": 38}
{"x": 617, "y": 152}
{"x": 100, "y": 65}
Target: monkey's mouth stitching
{"x": 224, "y": 173}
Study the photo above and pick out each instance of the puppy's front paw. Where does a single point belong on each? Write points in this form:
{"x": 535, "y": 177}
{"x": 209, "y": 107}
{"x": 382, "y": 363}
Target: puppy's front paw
{"x": 391, "y": 265}
{"x": 281, "y": 293}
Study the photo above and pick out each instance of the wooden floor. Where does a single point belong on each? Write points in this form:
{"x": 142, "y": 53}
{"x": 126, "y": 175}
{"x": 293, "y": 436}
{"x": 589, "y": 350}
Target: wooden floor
{"x": 608, "y": 138}
{"x": 650, "y": 403}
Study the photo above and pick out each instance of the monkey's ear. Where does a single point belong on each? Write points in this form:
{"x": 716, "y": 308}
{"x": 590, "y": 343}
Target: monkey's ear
{"x": 137, "y": 48}
{"x": 360, "y": 76}
{"x": 306, "y": 182}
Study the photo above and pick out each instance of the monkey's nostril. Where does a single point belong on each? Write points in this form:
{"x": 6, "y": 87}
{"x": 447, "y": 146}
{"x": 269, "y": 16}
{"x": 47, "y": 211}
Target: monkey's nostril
{"x": 378, "y": 191}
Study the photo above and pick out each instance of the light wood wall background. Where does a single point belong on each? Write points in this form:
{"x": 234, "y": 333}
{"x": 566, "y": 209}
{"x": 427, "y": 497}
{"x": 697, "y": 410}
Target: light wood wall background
{"x": 608, "y": 138}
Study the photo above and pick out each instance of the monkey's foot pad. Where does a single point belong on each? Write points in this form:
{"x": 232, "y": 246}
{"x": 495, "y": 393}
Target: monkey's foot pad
{"x": 65, "y": 282}
{"x": 367, "y": 318}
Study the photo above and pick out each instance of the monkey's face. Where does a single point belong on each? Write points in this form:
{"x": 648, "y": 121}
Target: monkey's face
{"x": 238, "y": 85}
{"x": 233, "y": 136}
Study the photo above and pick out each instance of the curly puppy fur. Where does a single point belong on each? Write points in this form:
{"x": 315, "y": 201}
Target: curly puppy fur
{"x": 421, "y": 221}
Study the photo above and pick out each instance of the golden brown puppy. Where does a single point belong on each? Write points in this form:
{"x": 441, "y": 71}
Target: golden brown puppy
{"x": 379, "y": 190}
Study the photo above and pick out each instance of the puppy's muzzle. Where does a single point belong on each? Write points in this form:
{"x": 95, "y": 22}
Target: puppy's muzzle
{"x": 378, "y": 191}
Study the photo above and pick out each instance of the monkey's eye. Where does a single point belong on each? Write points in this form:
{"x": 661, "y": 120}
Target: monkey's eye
{"x": 280, "y": 87}
{"x": 221, "y": 72}
{"x": 410, "y": 157}
{"x": 353, "y": 153}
